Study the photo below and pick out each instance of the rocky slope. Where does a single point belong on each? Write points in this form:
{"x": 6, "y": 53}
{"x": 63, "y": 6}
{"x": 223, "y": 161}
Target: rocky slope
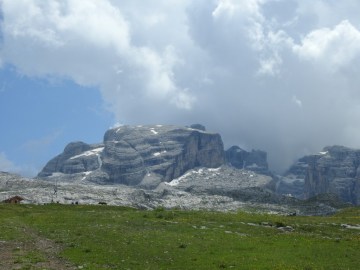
{"x": 220, "y": 189}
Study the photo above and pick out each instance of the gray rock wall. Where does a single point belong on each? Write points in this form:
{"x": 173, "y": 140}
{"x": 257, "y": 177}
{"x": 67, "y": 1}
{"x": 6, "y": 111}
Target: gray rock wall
{"x": 333, "y": 170}
{"x": 132, "y": 155}
{"x": 77, "y": 157}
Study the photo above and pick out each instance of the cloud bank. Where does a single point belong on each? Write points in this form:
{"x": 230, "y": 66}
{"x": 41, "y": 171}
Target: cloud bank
{"x": 271, "y": 74}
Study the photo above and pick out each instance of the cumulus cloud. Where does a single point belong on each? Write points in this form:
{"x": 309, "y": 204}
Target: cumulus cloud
{"x": 271, "y": 74}
{"x": 336, "y": 48}
{"x": 86, "y": 41}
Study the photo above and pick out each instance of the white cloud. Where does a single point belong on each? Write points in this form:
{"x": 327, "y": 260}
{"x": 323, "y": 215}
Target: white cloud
{"x": 334, "y": 48}
{"x": 270, "y": 66}
{"x": 82, "y": 40}
{"x": 243, "y": 68}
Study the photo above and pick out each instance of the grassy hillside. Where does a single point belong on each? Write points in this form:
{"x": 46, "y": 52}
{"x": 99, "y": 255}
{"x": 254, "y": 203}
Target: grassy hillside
{"x": 104, "y": 237}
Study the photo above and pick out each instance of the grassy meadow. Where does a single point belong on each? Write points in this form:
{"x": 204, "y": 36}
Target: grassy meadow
{"x": 106, "y": 237}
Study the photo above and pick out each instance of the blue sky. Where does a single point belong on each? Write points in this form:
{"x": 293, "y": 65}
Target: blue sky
{"x": 40, "y": 117}
{"x": 276, "y": 75}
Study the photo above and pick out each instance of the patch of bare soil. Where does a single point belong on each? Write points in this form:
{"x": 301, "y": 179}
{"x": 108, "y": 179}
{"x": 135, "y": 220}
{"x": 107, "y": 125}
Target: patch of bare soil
{"x": 35, "y": 253}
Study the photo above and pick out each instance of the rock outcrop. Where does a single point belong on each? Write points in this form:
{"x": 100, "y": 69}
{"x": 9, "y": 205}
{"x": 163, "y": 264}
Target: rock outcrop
{"x": 139, "y": 155}
{"x": 256, "y": 160}
{"x": 334, "y": 170}
{"x": 77, "y": 157}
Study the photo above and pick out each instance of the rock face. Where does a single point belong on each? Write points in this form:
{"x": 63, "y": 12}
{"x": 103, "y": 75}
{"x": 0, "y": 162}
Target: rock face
{"x": 255, "y": 160}
{"x": 140, "y": 155}
{"x": 334, "y": 170}
{"x": 77, "y": 157}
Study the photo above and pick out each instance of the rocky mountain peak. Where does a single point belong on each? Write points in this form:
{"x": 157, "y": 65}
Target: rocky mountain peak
{"x": 140, "y": 155}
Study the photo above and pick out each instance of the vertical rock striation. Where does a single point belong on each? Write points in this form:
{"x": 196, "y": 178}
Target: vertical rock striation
{"x": 333, "y": 170}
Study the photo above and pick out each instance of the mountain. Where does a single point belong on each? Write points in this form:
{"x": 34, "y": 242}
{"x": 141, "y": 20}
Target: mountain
{"x": 145, "y": 156}
{"x": 170, "y": 166}
{"x": 138, "y": 156}
{"x": 334, "y": 170}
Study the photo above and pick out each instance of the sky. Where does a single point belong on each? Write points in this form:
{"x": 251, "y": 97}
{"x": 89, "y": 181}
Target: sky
{"x": 276, "y": 75}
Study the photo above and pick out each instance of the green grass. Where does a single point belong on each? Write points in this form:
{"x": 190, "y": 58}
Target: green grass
{"x": 105, "y": 237}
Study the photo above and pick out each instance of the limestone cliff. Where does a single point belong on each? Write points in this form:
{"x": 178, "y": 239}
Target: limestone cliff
{"x": 140, "y": 155}
{"x": 333, "y": 170}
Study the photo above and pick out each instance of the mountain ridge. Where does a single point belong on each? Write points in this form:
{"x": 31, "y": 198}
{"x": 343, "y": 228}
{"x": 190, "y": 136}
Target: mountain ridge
{"x": 160, "y": 165}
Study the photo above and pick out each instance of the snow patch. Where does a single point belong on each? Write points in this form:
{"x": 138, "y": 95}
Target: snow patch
{"x": 86, "y": 174}
{"x": 154, "y": 131}
{"x": 184, "y": 177}
{"x": 99, "y": 160}
{"x": 199, "y": 130}
{"x": 159, "y": 153}
{"x": 92, "y": 152}
{"x": 323, "y": 153}
{"x": 214, "y": 169}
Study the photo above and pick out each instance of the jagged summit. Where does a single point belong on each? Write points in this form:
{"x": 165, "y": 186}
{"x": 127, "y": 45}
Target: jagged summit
{"x": 139, "y": 155}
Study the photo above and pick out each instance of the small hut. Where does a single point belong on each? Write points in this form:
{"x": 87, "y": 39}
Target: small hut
{"x": 14, "y": 200}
